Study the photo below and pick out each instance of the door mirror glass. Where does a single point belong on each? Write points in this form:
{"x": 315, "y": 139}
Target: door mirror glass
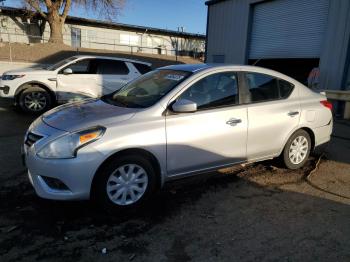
{"x": 68, "y": 71}
{"x": 184, "y": 106}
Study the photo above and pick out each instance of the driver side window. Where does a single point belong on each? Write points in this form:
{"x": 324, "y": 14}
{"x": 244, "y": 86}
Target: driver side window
{"x": 85, "y": 66}
{"x": 216, "y": 90}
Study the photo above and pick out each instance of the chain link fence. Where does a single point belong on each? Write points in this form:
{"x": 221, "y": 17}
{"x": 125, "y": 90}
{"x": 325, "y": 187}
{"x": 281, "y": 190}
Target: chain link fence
{"x": 77, "y": 43}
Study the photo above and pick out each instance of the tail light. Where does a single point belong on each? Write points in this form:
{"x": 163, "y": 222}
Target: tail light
{"x": 327, "y": 104}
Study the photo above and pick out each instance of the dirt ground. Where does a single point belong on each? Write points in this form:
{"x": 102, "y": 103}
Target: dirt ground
{"x": 52, "y": 53}
{"x": 257, "y": 213}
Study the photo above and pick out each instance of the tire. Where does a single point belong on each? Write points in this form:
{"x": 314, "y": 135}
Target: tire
{"x": 34, "y": 100}
{"x": 297, "y": 150}
{"x": 108, "y": 185}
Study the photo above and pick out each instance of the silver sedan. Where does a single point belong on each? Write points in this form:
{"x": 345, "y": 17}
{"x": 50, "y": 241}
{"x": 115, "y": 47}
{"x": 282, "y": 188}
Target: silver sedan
{"x": 173, "y": 122}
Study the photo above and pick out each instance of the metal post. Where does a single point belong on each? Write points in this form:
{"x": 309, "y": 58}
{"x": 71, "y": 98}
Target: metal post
{"x": 177, "y": 46}
{"x": 10, "y": 45}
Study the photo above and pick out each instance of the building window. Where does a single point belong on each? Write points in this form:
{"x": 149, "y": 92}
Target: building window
{"x": 126, "y": 39}
{"x": 76, "y": 37}
{"x": 92, "y": 35}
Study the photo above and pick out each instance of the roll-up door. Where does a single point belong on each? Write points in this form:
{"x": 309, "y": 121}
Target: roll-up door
{"x": 288, "y": 29}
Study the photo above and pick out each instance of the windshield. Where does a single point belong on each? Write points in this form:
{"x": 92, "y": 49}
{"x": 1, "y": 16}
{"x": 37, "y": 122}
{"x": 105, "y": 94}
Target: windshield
{"x": 146, "y": 90}
{"x": 60, "y": 63}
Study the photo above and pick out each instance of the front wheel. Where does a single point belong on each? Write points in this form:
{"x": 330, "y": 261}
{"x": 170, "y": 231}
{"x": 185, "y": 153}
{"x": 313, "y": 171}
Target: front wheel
{"x": 125, "y": 182}
{"x": 35, "y": 100}
{"x": 297, "y": 150}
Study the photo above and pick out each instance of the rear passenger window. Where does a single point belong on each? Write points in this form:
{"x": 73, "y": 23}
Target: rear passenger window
{"x": 285, "y": 88}
{"x": 266, "y": 88}
{"x": 112, "y": 67}
{"x": 262, "y": 87}
{"x": 142, "y": 68}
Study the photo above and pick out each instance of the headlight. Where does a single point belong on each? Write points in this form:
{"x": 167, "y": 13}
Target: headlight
{"x": 68, "y": 145}
{"x": 11, "y": 77}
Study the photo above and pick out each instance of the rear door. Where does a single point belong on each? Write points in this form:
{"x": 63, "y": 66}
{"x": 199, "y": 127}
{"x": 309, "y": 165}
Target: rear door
{"x": 114, "y": 74}
{"x": 273, "y": 113}
{"x": 82, "y": 83}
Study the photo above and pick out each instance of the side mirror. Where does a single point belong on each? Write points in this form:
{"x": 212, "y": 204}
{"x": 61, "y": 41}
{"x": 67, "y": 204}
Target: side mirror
{"x": 67, "y": 71}
{"x": 184, "y": 106}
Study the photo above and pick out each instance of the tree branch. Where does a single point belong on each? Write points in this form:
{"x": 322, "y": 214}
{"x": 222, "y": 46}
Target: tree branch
{"x": 66, "y": 9}
{"x": 35, "y": 4}
{"x": 48, "y": 3}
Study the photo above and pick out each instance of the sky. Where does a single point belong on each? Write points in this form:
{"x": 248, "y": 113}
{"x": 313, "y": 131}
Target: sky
{"x": 166, "y": 14}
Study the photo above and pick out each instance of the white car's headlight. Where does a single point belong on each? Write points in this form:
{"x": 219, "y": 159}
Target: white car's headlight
{"x": 67, "y": 146}
{"x": 11, "y": 77}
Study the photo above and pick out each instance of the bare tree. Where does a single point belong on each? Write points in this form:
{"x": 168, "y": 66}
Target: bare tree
{"x": 55, "y": 12}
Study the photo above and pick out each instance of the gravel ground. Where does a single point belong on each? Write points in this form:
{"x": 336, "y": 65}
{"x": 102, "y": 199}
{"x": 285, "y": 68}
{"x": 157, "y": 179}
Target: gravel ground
{"x": 257, "y": 213}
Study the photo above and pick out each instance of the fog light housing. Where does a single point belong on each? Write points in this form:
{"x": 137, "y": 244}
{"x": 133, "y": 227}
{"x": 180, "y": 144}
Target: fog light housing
{"x": 55, "y": 183}
{"x": 5, "y": 89}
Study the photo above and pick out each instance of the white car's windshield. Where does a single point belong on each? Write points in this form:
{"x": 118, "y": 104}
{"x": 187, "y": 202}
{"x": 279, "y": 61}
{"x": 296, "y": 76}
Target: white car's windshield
{"x": 146, "y": 90}
{"x": 60, "y": 63}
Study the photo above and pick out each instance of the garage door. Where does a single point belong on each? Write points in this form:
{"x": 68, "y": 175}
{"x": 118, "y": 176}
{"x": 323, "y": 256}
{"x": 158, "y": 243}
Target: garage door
{"x": 288, "y": 29}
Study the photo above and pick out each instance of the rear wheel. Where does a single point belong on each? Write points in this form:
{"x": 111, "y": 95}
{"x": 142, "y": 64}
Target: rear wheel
{"x": 297, "y": 150}
{"x": 124, "y": 182}
{"x": 35, "y": 100}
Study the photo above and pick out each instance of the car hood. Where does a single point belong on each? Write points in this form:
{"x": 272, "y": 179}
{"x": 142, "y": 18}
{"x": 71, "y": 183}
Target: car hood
{"x": 30, "y": 70}
{"x": 80, "y": 115}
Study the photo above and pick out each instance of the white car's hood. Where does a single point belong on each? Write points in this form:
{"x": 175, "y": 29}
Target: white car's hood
{"x": 85, "y": 114}
{"x": 30, "y": 71}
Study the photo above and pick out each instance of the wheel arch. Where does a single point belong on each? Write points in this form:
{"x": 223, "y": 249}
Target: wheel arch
{"x": 131, "y": 151}
{"x": 26, "y": 85}
{"x": 308, "y": 130}
{"x": 311, "y": 134}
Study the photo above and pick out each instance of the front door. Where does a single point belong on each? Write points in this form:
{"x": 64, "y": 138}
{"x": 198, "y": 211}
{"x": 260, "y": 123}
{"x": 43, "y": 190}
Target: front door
{"x": 82, "y": 82}
{"x": 213, "y": 136}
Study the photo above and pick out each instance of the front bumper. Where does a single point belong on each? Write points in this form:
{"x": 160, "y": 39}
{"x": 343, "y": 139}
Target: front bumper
{"x": 6, "y": 90}
{"x": 76, "y": 174}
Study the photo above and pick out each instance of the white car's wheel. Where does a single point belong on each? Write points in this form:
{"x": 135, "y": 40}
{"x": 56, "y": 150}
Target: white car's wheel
{"x": 124, "y": 182}
{"x": 297, "y": 149}
{"x": 35, "y": 100}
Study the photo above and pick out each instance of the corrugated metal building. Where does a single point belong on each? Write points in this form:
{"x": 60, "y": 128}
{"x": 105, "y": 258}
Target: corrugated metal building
{"x": 17, "y": 25}
{"x": 291, "y": 36}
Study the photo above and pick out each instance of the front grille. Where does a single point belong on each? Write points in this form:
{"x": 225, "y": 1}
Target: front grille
{"x": 32, "y": 139}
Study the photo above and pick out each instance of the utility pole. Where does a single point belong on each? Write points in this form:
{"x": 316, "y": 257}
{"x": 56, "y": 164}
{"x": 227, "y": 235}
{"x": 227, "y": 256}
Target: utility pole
{"x": 179, "y": 29}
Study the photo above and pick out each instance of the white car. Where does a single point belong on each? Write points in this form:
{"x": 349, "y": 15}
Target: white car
{"x": 75, "y": 78}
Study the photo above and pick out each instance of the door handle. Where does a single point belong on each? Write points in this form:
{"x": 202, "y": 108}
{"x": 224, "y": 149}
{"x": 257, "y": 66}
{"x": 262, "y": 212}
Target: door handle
{"x": 293, "y": 113}
{"x": 233, "y": 121}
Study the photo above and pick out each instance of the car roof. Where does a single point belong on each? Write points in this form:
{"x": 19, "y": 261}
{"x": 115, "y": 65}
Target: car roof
{"x": 199, "y": 67}
{"x": 188, "y": 67}
{"x": 113, "y": 58}
{"x": 195, "y": 68}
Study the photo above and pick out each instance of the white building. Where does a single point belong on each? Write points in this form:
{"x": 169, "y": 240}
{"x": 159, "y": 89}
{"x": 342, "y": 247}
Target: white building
{"x": 16, "y": 25}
